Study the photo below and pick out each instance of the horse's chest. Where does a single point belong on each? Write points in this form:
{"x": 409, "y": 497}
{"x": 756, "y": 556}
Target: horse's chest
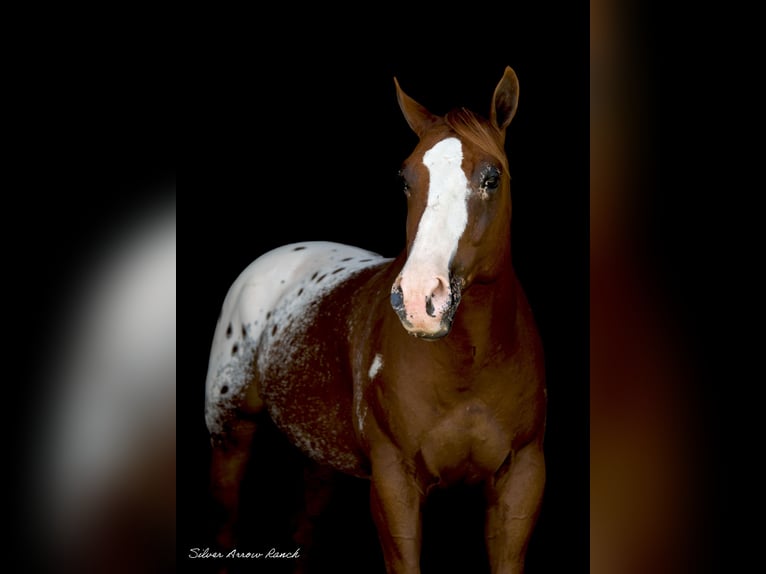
{"x": 466, "y": 443}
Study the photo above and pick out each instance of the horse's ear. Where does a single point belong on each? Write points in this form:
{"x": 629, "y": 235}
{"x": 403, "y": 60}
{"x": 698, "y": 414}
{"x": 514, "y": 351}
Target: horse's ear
{"x": 505, "y": 100}
{"x": 418, "y": 117}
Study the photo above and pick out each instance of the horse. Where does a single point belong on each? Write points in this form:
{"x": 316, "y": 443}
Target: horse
{"x": 416, "y": 372}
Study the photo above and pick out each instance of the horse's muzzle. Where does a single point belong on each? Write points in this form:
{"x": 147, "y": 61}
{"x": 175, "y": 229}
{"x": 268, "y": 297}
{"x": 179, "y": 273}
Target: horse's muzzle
{"x": 426, "y": 313}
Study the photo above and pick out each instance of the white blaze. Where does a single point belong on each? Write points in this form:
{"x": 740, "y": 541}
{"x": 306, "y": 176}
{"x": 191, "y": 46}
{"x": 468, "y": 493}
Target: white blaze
{"x": 441, "y": 226}
{"x": 446, "y": 213}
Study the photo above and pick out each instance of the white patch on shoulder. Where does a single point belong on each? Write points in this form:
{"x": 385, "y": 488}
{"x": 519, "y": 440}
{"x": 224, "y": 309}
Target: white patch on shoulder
{"x": 277, "y": 286}
{"x": 359, "y": 406}
{"x": 377, "y": 364}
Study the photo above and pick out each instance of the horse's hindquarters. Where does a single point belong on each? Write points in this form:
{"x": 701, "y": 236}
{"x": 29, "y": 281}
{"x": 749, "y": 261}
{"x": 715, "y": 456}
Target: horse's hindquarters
{"x": 278, "y": 344}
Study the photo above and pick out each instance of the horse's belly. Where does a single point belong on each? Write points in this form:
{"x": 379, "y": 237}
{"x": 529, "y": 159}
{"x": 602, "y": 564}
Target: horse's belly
{"x": 271, "y": 350}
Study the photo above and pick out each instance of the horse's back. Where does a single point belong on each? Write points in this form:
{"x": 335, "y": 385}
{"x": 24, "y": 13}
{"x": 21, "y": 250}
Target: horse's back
{"x": 266, "y": 349}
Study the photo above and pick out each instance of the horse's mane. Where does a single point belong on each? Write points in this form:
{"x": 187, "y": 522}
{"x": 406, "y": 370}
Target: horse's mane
{"x": 477, "y": 131}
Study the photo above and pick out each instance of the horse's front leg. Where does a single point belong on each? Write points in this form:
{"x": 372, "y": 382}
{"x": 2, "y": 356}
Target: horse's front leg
{"x": 396, "y": 503}
{"x": 514, "y": 499}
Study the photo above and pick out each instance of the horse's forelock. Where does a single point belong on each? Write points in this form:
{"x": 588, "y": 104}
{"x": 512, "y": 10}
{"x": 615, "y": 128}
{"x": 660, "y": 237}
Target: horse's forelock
{"x": 476, "y": 131}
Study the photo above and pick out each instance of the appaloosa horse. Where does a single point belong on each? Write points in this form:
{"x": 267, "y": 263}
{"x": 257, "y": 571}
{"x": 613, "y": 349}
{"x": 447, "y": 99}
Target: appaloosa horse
{"x": 446, "y": 387}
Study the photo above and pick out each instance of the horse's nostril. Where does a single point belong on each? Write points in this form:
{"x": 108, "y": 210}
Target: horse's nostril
{"x": 397, "y": 299}
{"x": 430, "y": 306}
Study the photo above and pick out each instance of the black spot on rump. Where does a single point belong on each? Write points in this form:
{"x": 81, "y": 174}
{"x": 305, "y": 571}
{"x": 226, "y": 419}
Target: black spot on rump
{"x": 364, "y": 260}
{"x": 338, "y": 270}
{"x": 347, "y": 259}
{"x": 299, "y": 248}
{"x": 268, "y": 315}
{"x": 274, "y": 330}
{"x": 314, "y": 276}
{"x": 234, "y": 349}
{"x": 244, "y": 331}
{"x": 300, "y": 291}
{"x": 322, "y": 277}
{"x": 224, "y": 389}
{"x": 228, "y": 331}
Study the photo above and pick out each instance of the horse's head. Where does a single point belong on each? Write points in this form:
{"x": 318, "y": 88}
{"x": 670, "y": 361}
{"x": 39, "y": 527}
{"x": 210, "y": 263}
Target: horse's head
{"x": 459, "y": 208}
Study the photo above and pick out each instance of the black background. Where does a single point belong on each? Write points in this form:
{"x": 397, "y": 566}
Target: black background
{"x": 305, "y": 145}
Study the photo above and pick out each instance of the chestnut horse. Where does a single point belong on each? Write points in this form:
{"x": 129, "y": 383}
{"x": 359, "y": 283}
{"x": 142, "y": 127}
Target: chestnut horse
{"x": 447, "y": 387}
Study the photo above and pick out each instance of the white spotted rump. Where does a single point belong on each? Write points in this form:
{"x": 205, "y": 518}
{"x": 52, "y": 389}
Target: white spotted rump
{"x": 281, "y": 283}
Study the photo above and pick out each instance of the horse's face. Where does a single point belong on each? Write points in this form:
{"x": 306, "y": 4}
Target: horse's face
{"x": 459, "y": 209}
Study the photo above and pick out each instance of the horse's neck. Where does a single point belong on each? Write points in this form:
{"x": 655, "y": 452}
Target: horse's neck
{"x": 486, "y": 318}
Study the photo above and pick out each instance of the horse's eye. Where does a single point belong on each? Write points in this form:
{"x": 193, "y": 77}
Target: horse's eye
{"x": 490, "y": 180}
